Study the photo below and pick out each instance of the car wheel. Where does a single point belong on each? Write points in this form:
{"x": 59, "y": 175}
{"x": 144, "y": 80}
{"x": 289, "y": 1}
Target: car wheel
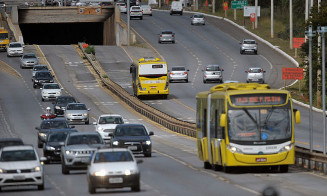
{"x": 186, "y": 81}
{"x": 170, "y": 81}
{"x": 171, "y": 14}
{"x": 204, "y": 81}
{"x": 159, "y": 42}
{"x": 91, "y": 188}
{"x": 173, "y": 42}
{"x": 192, "y": 23}
{"x": 241, "y": 52}
{"x": 255, "y": 52}
{"x": 150, "y": 14}
{"x": 21, "y": 66}
{"x": 204, "y": 23}
{"x": 34, "y": 86}
{"x": 87, "y": 122}
{"x": 40, "y": 187}
{"x": 42, "y": 99}
{"x": 64, "y": 169}
{"x": 181, "y": 13}
{"x": 141, "y": 17}
{"x": 148, "y": 154}
{"x": 136, "y": 187}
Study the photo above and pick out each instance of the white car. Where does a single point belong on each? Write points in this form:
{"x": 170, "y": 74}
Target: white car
{"x": 106, "y": 124}
{"x": 122, "y": 7}
{"x": 50, "y": 91}
{"x": 15, "y": 49}
{"x": 113, "y": 168}
{"x": 21, "y": 166}
{"x": 136, "y": 12}
{"x": 147, "y": 10}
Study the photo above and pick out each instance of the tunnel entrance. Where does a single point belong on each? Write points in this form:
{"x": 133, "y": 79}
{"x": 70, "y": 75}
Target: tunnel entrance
{"x": 63, "y": 33}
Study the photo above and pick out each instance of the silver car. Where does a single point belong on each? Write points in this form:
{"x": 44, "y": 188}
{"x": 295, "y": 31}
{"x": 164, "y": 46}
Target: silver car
{"x": 50, "y": 91}
{"x": 28, "y": 60}
{"x": 106, "y": 124}
{"x": 21, "y": 166}
{"x": 113, "y": 168}
{"x": 178, "y": 73}
{"x": 249, "y": 45}
{"x": 146, "y": 9}
{"x": 166, "y": 36}
{"x": 77, "y": 112}
{"x": 38, "y": 68}
{"x": 198, "y": 19}
{"x": 255, "y": 74}
{"x": 212, "y": 73}
{"x": 136, "y": 12}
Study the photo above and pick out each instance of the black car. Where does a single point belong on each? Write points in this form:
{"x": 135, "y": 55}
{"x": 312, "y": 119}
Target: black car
{"x": 60, "y": 104}
{"x": 12, "y": 141}
{"x": 42, "y": 77}
{"x": 134, "y": 137}
{"x": 47, "y": 125}
{"x": 54, "y": 140}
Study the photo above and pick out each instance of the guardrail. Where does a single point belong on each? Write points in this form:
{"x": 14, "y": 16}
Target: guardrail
{"x": 303, "y": 158}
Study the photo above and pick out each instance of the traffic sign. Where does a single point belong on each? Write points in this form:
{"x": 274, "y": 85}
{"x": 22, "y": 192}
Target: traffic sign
{"x": 239, "y": 4}
{"x": 225, "y": 4}
{"x": 292, "y": 73}
{"x": 298, "y": 41}
{"x": 252, "y": 17}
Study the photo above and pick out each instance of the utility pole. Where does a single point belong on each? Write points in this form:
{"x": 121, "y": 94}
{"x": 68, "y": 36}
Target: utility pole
{"x": 306, "y": 10}
{"x": 213, "y": 6}
{"x": 256, "y": 14}
{"x": 291, "y": 24}
{"x": 128, "y": 23}
{"x": 272, "y": 19}
{"x": 310, "y": 33}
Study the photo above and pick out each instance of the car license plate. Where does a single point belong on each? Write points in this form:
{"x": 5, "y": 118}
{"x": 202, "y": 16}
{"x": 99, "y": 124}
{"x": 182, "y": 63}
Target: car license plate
{"x": 261, "y": 159}
{"x": 115, "y": 180}
{"x": 19, "y": 177}
{"x": 132, "y": 147}
{"x": 85, "y": 159}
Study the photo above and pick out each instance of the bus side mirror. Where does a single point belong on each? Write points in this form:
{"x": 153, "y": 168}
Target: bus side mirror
{"x": 223, "y": 120}
{"x": 297, "y": 117}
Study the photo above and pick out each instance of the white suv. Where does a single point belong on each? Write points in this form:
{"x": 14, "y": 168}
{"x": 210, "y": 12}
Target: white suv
{"x": 21, "y": 166}
{"x": 136, "y": 12}
{"x": 15, "y": 49}
{"x": 106, "y": 124}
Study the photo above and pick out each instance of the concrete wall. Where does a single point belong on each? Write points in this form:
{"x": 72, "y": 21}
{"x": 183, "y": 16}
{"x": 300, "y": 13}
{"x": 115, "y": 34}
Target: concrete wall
{"x": 121, "y": 34}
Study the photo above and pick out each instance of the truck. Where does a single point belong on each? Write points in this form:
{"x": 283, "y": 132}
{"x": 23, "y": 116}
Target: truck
{"x": 4, "y": 39}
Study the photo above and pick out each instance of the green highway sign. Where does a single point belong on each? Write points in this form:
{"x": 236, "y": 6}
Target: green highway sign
{"x": 239, "y": 4}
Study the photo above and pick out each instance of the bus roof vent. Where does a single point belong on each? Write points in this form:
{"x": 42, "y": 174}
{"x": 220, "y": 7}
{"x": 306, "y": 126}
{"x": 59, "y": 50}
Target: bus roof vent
{"x": 239, "y": 86}
{"x": 149, "y": 59}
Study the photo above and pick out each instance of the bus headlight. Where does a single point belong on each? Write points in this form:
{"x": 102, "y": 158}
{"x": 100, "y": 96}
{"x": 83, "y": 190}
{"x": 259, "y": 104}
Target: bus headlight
{"x": 287, "y": 148}
{"x": 233, "y": 149}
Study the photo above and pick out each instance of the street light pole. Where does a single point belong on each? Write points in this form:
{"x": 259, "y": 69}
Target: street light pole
{"x": 128, "y": 22}
{"x": 310, "y": 34}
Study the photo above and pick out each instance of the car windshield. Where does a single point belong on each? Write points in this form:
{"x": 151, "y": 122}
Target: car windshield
{"x": 255, "y": 71}
{"x": 38, "y": 68}
{"x": 51, "y": 86}
{"x": 43, "y": 74}
{"x": 178, "y": 68}
{"x": 76, "y": 107}
{"x": 83, "y": 139}
{"x": 29, "y": 56}
{"x": 259, "y": 124}
{"x": 57, "y": 137}
{"x": 212, "y": 68}
{"x": 131, "y": 131}
{"x": 136, "y": 8}
{"x": 18, "y": 155}
{"x": 249, "y": 42}
{"x": 61, "y": 100}
{"x": 110, "y": 120}
{"x": 54, "y": 124}
{"x": 16, "y": 45}
{"x": 117, "y": 156}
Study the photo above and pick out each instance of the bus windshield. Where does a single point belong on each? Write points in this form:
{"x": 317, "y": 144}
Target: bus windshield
{"x": 152, "y": 69}
{"x": 264, "y": 124}
{"x": 3, "y": 35}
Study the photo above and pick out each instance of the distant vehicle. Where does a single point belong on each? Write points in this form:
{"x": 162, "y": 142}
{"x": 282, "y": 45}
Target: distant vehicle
{"x": 178, "y": 73}
{"x": 80, "y": 3}
{"x": 46, "y": 125}
{"x": 134, "y": 137}
{"x": 146, "y": 9}
{"x": 15, "y": 49}
{"x": 122, "y": 7}
{"x": 212, "y": 73}
{"x": 94, "y": 4}
{"x": 59, "y": 105}
{"x": 28, "y": 60}
{"x": 21, "y": 166}
{"x": 53, "y": 143}
{"x": 136, "y": 12}
{"x": 166, "y": 36}
{"x": 2, "y": 4}
{"x": 42, "y": 77}
{"x": 77, "y": 151}
{"x": 249, "y": 45}
{"x": 10, "y": 141}
{"x": 4, "y": 37}
{"x": 38, "y": 68}
{"x": 106, "y": 124}
{"x": 50, "y": 91}
{"x": 198, "y": 19}
{"x": 176, "y": 8}
{"x": 77, "y": 112}
{"x": 107, "y": 163}
{"x": 231, "y": 81}
{"x": 255, "y": 74}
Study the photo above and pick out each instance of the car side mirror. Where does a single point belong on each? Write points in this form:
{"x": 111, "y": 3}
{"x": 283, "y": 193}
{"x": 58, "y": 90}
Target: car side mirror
{"x": 37, "y": 128}
{"x": 72, "y": 126}
{"x": 88, "y": 109}
{"x": 264, "y": 71}
{"x": 188, "y": 70}
{"x": 139, "y": 161}
{"x": 151, "y": 133}
{"x": 222, "y": 69}
{"x": 246, "y": 71}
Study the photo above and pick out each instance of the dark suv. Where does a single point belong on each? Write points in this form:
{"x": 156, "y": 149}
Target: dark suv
{"x": 134, "y": 137}
{"x": 42, "y": 77}
{"x": 59, "y": 106}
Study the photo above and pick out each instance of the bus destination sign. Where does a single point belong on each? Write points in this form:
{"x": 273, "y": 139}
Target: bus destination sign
{"x": 258, "y": 99}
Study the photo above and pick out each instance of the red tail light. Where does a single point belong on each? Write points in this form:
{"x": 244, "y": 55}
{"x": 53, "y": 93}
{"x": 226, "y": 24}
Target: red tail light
{"x": 185, "y": 73}
{"x": 249, "y": 70}
{"x": 171, "y": 73}
{"x": 172, "y": 35}
{"x": 125, "y": 6}
{"x": 151, "y": 10}
{"x": 160, "y": 35}
{"x": 261, "y": 70}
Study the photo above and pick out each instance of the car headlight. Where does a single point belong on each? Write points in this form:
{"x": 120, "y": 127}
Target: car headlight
{"x": 42, "y": 134}
{"x": 68, "y": 114}
{"x": 58, "y": 93}
{"x": 128, "y": 172}
{"x": 115, "y": 143}
{"x": 50, "y": 148}
{"x": 44, "y": 93}
{"x": 100, "y": 128}
{"x": 1, "y": 171}
{"x": 99, "y": 173}
{"x": 287, "y": 148}
{"x": 233, "y": 149}
{"x": 148, "y": 142}
{"x": 85, "y": 114}
{"x": 37, "y": 169}
{"x": 36, "y": 80}
{"x": 57, "y": 107}
{"x": 69, "y": 152}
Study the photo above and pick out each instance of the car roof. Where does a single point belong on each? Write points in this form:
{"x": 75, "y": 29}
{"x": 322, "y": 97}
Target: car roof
{"x": 40, "y": 65}
{"x": 130, "y": 125}
{"x": 43, "y": 71}
{"x": 85, "y": 133}
{"x": 77, "y": 103}
{"x": 29, "y": 53}
{"x": 166, "y": 31}
{"x": 248, "y": 40}
{"x": 255, "y": 68}
{"x": 18, "y": 147}
{"x": 56, "y": 119}
{"x": 15, "y": 43}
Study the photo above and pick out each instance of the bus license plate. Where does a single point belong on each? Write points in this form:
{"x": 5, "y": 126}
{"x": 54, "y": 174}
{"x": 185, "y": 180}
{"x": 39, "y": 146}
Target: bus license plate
{"x": 261, "y": 159}
{"x": 115, "y": 180}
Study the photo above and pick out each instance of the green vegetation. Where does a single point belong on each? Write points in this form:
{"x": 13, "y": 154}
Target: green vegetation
{"x": 90, "y": 50}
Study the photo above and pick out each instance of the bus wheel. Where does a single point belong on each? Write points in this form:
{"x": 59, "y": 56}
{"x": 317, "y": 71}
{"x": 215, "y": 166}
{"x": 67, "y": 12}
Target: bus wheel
{"x": 207, "y": 165}
{"x": 283, "y": 168}
{"x": 165, "y": 96}
{"x": 217, "y": 167}
{"x": 227, "y": 169}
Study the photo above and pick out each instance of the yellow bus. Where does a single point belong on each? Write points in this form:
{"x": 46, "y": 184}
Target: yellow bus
{"x": 240, "y": 124}
{"x": 150, "y": 77}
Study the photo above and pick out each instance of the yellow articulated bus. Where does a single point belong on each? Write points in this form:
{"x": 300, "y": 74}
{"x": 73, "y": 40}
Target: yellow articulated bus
{"x": 150, "y": 77}
{"x": 4, "y": 38}
{"x": 240, "y": 124}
